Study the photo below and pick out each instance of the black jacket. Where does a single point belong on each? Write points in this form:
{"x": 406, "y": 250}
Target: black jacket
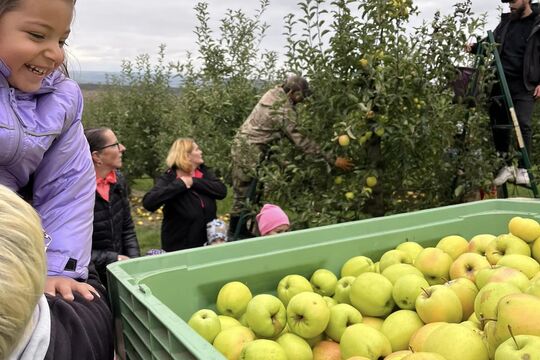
{"x": 186, "y": 211}
{"x": 531, "y": 61}
{"x": 81, "y": 329}
{"x": 114, "y": 233}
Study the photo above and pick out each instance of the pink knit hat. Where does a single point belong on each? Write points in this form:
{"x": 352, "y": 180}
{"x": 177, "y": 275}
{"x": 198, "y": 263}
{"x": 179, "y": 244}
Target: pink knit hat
{"x": 270, "y": 217}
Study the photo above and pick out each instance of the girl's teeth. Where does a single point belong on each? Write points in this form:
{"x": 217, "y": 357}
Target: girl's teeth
{"x": 35, "y": 70}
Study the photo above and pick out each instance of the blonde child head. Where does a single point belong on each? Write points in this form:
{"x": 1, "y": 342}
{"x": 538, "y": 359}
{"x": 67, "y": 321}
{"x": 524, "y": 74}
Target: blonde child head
{"x": 22, "y": 265}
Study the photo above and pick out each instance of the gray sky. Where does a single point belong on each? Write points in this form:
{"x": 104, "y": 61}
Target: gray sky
{"x": 107, "y": 31}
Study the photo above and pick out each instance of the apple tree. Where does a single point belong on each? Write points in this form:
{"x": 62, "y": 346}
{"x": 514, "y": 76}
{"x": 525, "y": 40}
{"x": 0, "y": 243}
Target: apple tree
{"x": 386, "y": 89}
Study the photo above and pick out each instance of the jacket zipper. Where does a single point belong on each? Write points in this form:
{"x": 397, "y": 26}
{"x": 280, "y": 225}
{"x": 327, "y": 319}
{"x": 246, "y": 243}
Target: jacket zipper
{"x": 200, "y": 200}
{"x": 18, "y": 129}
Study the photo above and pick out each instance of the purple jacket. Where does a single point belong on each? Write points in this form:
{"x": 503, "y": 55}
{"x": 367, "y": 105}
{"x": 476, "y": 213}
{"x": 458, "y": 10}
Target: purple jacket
{"x": 41, "y": 135}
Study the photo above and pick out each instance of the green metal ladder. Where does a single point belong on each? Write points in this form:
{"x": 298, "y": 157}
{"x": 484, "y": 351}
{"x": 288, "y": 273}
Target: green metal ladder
{"x": 510, "y": 107}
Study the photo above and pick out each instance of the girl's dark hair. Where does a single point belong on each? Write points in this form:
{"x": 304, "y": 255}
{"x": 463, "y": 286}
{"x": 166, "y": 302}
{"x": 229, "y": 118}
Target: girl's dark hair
{"x": 8, "y": 5}
{"x": 95, "y": 138}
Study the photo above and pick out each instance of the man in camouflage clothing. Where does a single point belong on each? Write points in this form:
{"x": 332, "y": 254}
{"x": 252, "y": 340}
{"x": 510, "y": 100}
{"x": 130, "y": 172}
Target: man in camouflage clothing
{"x": 271, "y": 119}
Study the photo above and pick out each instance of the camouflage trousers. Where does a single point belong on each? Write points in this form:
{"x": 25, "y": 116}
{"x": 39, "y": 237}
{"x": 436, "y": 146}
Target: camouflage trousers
{"x": 245, "y": 160}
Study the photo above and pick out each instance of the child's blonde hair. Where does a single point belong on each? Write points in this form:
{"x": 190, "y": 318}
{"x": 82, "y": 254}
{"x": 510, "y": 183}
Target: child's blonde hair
{"x": 22, "y": 267}
{"x": 179, "y": 154}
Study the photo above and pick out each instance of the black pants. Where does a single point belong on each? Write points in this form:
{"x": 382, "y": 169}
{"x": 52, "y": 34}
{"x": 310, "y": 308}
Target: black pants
{"x": 499, "y": 115}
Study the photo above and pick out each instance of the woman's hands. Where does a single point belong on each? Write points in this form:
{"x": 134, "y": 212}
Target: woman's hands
{"x": 185, "y": 177}
{"x": 65, "y": 287}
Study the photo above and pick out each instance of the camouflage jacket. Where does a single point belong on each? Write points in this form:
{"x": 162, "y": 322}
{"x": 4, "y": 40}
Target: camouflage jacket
{"x": 273, "y": 117}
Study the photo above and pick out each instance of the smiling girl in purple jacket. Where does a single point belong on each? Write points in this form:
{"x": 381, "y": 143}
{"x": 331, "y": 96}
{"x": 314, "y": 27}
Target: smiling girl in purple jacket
{"x": 43, "y": 148}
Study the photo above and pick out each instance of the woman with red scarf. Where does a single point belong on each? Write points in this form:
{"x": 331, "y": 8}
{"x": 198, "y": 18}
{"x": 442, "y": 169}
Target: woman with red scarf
{"x": 114, "y": 235}
{"x": 188, "y": 192}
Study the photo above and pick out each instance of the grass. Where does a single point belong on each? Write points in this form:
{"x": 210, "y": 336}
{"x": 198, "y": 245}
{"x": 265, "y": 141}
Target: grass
{"x": 148, "y": 225}
{"x": 519, "y": 191}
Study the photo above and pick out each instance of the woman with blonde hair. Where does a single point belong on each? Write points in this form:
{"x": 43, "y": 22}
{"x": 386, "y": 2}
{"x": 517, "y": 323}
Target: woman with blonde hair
{"x": 188, "y": 191}
{"x": 34, "y": 325}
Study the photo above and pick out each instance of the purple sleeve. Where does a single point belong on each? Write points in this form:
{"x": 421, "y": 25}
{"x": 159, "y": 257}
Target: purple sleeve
{"x": 64, "y": 195}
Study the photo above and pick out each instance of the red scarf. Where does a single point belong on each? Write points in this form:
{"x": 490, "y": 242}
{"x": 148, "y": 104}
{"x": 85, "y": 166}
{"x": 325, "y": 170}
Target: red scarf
{"x": 103, "y": 185}
{"x": 196, "y": 174}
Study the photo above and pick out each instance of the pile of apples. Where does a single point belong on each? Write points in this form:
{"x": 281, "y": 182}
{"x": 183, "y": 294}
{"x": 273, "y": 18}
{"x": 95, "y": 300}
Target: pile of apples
{"x": 460, "y": 300}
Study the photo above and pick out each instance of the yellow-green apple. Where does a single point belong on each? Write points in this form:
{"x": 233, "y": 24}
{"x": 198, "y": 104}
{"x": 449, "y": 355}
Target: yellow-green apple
{"x": 326, "y": 350}
{"x": 439, "y": 303}
{"x": 475, "y": 320}
{"x": 392, "y": 257}
{"x": 416, "y": 343}
{"x": 373, "y": 322}
{"x": 266, "y": 315}
{"x": 283, "y": 332}
{"x": 508, "y": 275}
{"x": 406, "y": 289}
{"x": 534, "y": 288}
{"x": 399, "y": 326}
{"x": 525, "y": 264}
{"x": 230, "y": 341}
{"x": 262, "y": 349}
{"x": 330, "y": 301}
{"x": 377, "y": 267}
{"x": 519, "y": 311}
{"x": 483, "y": 275}
{"x": 410, "y": 247}
{"x": 518, "y": 348}
{"x": 371, "y": 294}
{"x": 356, "y": 266}
{"x": 471, "y": 324}
{"x": 398, "y": 355}
{"x": 506, "y": 244}
{"x": 341, "y": 316}
{"x": 206, "y": 323}
{"x": 485, "y": 304}
{"x": 535, "y": 249}
{"x": 394, "y": 272}
{"x": 478, "y": 244}
{"x": 343, "y": 289}
{"x": 524, "y": 228}
{"x": 291, "y": 285}
{"x": 466, "y": 291}
{"x": 316, "y": 339}
{"x": 228, "y": 322}
{"x": 362, "y": 340}
{"x": 435, "y": 264}
{"x": 295, "y": 347}
{"x": 467, "y": 265}
{"x": 323, "y": 282}
{"x": 453, "y": 245}
{"x": 307, "y": 315}
{"x": 233, "y": 298}
{"x": 456, "y": 342}
{"x": 424, "y": 356}
{"x": 243, "y": 320}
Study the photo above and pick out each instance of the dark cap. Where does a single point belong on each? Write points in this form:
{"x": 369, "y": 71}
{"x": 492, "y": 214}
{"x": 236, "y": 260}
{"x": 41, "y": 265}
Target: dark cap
{"x": 297, "y": 83}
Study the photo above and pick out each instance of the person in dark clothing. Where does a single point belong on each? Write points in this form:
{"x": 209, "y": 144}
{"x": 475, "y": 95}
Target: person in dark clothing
{"x": 114, "y": 235}
{"x": 518, "y": 34}
{"x": 42, "y": 326}
{"x": 188, "y": 191}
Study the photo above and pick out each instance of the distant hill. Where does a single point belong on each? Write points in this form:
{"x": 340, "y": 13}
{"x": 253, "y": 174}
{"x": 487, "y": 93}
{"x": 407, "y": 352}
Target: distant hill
{"x": 92, "y": 77}
{"x": 102, "y": 77}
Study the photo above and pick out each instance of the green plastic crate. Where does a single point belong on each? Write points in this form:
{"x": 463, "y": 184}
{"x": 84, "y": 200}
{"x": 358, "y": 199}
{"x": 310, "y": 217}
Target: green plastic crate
{"x": 154, "y": 297}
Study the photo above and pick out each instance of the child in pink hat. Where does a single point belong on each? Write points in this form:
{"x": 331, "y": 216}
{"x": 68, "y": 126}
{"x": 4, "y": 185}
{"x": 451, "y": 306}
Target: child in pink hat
{"x": 272, "y": 220}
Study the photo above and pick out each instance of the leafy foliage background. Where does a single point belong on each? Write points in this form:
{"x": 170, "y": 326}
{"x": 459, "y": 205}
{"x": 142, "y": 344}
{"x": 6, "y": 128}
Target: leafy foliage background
{"x": 385, "y": 86}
